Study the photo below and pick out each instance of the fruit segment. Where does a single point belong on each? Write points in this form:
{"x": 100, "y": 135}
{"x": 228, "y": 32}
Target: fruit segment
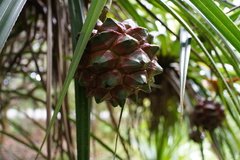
{"x": 102, "y": 61}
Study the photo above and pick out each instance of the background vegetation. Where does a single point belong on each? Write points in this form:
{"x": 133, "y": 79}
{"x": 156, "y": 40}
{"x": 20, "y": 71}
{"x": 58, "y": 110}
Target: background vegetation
{"x": 37, "y": 66}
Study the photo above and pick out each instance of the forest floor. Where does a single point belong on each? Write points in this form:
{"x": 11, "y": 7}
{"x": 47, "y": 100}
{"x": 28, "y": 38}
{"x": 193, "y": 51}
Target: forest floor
{"x": 13, "y": 150}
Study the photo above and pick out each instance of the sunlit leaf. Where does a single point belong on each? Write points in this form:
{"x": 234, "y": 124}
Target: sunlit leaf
{"x": 219, "y": 20}
{"x": 185, "y": 44}
{"x": 9, "y": 12}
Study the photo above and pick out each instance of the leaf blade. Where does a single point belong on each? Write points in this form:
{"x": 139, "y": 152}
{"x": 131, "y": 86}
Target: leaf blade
{"x": 219, "y": 20}
{"x": 205, "y": 51}
{"x": 185, "y": 43}
{"x": 9, "y": 12}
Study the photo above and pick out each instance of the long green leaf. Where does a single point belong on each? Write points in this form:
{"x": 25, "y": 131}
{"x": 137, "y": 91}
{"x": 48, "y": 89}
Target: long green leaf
{"x": 131, "y": 10}
{"x": 224, "y": 40}
{"x": 91, "y": 19}
{"x": 76, "y": 18}
{"x": 229, "y": 55}
{"x": 219, "y": 19}
{"x": 185, "y": 41}
{"x": 9, "y": 12}
{"x": 212, "y": 38}
{"x": 208, "y": 55}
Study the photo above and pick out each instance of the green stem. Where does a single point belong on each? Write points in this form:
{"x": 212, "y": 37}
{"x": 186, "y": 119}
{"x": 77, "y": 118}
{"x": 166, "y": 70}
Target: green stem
{"x": 201, "y": 149}
{"x": 82, "y": 103}
{"x": 119, "y": 122}
{"x": 82, "y": 123}
{"x": 91, "y": 19}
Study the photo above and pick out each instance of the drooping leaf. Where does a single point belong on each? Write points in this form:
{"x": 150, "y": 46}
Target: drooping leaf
{"x": 205, "y": 51}
{"x": 185, "y": 44}
{"x": 219, "y": 20}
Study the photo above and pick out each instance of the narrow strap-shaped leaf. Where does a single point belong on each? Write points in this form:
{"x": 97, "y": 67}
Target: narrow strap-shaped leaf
{"x": 185, "y": 44}
{"x": 91, "y": 19}
{"x": 230, "y": 56}
{"x": 219, "y": 20}
{"x": 76, "y": 18}
{"x": 227, "y": 138}
{"x": 224, "y": 40}
{"x": 217, "y": 145}
{"x": 131, "y": 10}
{"x": 219, "y": 74}
{"x": 9, "y": 12}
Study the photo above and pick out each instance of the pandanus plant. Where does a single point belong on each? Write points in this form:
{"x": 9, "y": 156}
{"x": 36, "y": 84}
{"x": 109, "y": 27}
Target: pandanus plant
{"x": 116, "y": 59}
